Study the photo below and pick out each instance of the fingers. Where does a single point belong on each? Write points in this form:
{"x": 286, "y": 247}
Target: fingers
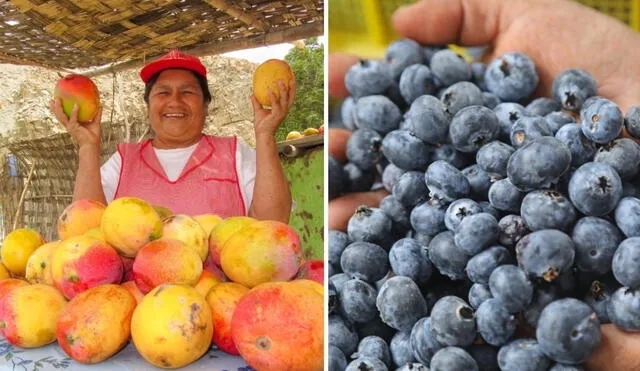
{"x": 339, "y": 64}
{"x": 617, "y": 351}
{"x": 257, "y": 107}
{"x": 94, "y": 125}
{"x": 342, "y": 208}
{"x": 275, "y": 103}
{"x": 454, "y": 21}
{"x": 56, "y": 107}
{"x": 338, "y": 143}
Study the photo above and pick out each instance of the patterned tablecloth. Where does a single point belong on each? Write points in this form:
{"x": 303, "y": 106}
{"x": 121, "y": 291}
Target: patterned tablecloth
{"x": 51, "y": 357}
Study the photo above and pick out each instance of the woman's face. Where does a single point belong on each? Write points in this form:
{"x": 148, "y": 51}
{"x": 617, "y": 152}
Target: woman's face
{"x": 176, "y": 109}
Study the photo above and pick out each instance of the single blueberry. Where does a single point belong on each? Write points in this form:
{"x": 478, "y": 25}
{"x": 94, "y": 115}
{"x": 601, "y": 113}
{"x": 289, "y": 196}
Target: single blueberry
{"x": 602, "y": 121}
{"x": 453, "y": 322}
{"x": 545, "y": 254}
{"x": 495, "y": 324}
{"x": 450, "y": 67}
{"x": 338, "y": 280}
{"x": 445, "y": 181}
{"x": 503, "y": 195}
{"x": 480, "y": 181}
{"x": 459, "y": 96}
{"x": 511, "y": 285}
{"x": 426, "y": 118}
{"x": 522, "y": 355}
{"x": 396, "y": 211}
{"x": 543, "y": 106}
{"x": 493, "y": 157}
{"x": 538, "y": 164}
{"x": 480, "y": 267}
{"x": 408, "y": 258}
{"x": 568, "y": 331}
{"x": 632, "y": 121}
{"x": 364, "y": 260}
{"x": 374, "y": 347}
{"x": 478, "y": 294}
{"x": 363, "y": 148}
{"x": 625, "y": 263}
{"x": 473, "y": 127}
{"x": 338, "y": 241}
{"x": 528, "y": 128}
{"x": 400, "y": 303}
{"x": 405, "y": 150}
{"x": 557, "y": 119}
{"x": 627, "y": 216}
{"x": 623, "y": 155}
{"x": 342, "y": 334}
{"x": 423, "y": 343}
{"x": 547, "y": 209}
{"x": 595, "y": 189}
{"x": 572, "y": 87}
{"x": 582, "y": 149}
{"x": 476, "y": 232}
{"x": 357, "y": 301}
{"x": 511, "y": 229}
{"x": 400, "y": 349}
{"x": 447, "y": 257}
{"x": 377, "y": 112}
{"x": 458, "y": 210}
{"x": 624, "y": 309}
{"x": 401, "y": 54}
{"x": 595, "y": 240}
{"x": 512, "y": 77}
{"x": 453, "y": 358}
{"x": 410, "y": 189}
{"x": 369, "y": 224}
{"x": 368, "y": 77}
{"x": 508, "y": 113}
{"x": 415, "y": 81}
{"x": 428, "y": 218}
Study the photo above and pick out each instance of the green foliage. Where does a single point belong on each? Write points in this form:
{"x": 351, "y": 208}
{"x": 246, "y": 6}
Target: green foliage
{"x": 308, "y": 109}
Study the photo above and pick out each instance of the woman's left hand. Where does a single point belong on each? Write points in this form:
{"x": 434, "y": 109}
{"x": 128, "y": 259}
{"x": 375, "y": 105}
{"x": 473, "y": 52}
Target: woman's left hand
{"x": 266, "y": 121}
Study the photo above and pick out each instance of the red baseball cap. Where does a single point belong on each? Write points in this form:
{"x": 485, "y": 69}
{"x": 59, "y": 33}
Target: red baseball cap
{"x": 173, "y": 59}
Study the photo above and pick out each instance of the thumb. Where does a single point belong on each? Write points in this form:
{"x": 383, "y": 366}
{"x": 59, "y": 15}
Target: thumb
{"x": 463, "y": 22}
{"x": 256, "y": 105}
{"x": 618, "y": 350}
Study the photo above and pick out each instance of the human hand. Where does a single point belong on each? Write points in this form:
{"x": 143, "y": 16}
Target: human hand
{"x": 85, "y": 134}
{"x": 267, "y": 121}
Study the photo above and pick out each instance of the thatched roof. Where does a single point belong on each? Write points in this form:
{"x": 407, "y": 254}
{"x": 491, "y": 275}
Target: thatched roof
{"x": 65, "y": 34}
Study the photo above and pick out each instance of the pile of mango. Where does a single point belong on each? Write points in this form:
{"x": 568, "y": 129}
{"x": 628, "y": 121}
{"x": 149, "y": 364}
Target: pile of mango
{"x": 172, "y": 284}
{"x": 306, "y": 133}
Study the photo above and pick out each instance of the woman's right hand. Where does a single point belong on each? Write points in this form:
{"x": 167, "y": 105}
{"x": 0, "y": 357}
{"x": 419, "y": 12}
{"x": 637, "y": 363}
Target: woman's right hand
{"x": 85, "y": 134}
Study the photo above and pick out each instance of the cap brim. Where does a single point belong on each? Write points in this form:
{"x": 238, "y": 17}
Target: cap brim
{"x": 164, "y": 64}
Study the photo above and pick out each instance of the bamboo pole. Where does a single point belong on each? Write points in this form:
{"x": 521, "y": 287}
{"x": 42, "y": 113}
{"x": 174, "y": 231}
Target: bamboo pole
{"x": 24, "y": 193}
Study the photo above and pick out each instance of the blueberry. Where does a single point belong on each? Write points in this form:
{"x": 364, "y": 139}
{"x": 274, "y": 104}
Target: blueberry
{"x": 627, "y": 216}
{"x": 598, "y": 298}
{"x": 495, "y": 324}
{"x": 528, "y": 128}
{"x": 448, "y": 153}
{"x": 423, "y": 239}
{"x": 547, "y": 209}
{"x": 479, "y": 180}
{"x": 405, "y": 150}
{"x": 478, "y": 294}
{"x": 490, "y": 100}
{"x": 357, "y": 301}
{"x": 446, "y": 182}
{"x": 377, "y": 112}
{"x": 632, "y": 121}
{"x": 557, "y": 119}
{"x": 508, "y": 113}
{"x": 477, "y": 74}
{"x": 486, "y": 356}
{"x": 337, "y": 360}
{"x": 356, "y": 179}
{"x": 595, "y": 240}
{"x": 572, "y": 87}
{"x": 401, "y": 54}
{"x": 582, "y": 149}
{"x": 374, "y": 347}
{"x": 428, "y": 218}
{"x": 453, "y": 322}
{"x": 545, "y": 254}
{"x": 476, "y": 232}
{"x": 542, "y": 296}
{"x": 450, "y": 67}
{"x": 369, "y": 224}
{"x": 428, "y": 52}
{"x": 338, "y": 280}
{"x": 364, "y": 260}
{"x": 400, "y": 348}
{"x": 368, "y": 77}
{"x": 363, "y": 148}
{"x": 568, "y": 331}
{"x": 473, "y": 127}
{"x": 453, "y": 358}
{"x": 522, "y": 355}
{"x": 459, "y": 96}
{"x": 342, "y": 334}
{"x": 338, "y": 241}
{"x": 623, "y": 155}
{"x": 493, "y": 157}
{"x": 480, "y": 267}
{"x": 512, "y": 77}
{"x": 366, "y": 364}
{"x": 458, "y": 210}
{"x": 602, "y": 120}
{"x": 408, "y": 258}
{"x": 625, "y": 263}
{"x": 511, "y": 285}
{"x": 447, "y": 257}
{"x": 595, "y": 189}
{"x": 390, "y": 176}
{"x": 543, "y": 106}
{"x": 415, "y": 81}
{"x": 400, "y": 303}
{"x": 538, "y": 164}
{"x": 511, "y": 229}
{"x": 410, "y": 189}
{"x": 503, "y": 195}
{"x": 624, "y": 309}
{"x": 562, "y": 367}
{"x": 336, "y": 178}
{"x": 427, "y": 120}
{"x": 413, "y": 367}
{"x": 423, "y": 343}
{"x": 347, "y": 113}
{"x": 395, "y": 211}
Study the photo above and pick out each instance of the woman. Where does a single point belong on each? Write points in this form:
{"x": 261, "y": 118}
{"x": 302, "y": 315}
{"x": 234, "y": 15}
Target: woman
{"x": 180, "y": 167}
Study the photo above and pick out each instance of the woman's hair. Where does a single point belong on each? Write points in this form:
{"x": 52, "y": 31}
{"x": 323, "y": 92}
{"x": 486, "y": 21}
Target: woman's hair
{"x": 202, "y": 81}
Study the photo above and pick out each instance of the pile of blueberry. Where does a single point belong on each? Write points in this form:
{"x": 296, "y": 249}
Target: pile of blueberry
{"x": 511, "y": 232}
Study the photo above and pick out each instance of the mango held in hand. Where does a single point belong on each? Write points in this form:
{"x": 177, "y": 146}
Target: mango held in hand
{"x": 128, "y": 223}
{"x": 171, "y": 327}
{"x": 77, "y": 89}
{"x": 266, "y": 77}
{"x": 265, "y": 251}
{"x": 279, "y": 326}
{"x": 79, "y": 218}
{"x": 96, "y": 324}
{"x": 83, "y": 262}
{"x": 28, "y": 315}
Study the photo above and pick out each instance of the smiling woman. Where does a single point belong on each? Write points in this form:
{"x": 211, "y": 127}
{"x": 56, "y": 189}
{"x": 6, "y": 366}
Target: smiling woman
{"x": 181, "y": 168}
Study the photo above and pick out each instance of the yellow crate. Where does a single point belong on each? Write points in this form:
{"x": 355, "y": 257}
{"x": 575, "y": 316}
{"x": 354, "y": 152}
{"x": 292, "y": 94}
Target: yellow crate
{"x": 363, "y": 27}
